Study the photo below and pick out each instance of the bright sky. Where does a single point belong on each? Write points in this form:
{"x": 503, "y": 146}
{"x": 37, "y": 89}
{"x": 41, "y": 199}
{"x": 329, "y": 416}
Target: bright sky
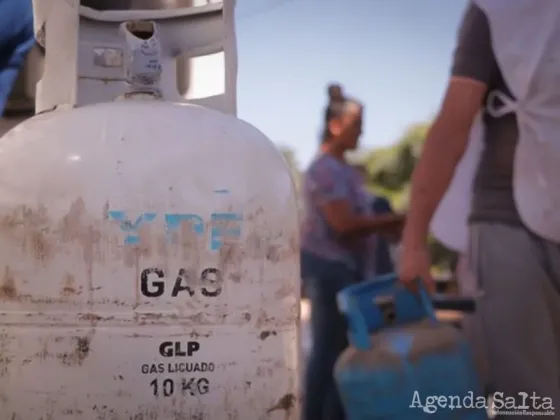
{"x": 393, "y": 55}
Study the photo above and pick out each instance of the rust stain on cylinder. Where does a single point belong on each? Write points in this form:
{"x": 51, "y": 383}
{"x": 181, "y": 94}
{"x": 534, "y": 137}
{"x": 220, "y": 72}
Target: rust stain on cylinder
{"x": 265, "y": 334}
{"x": 286, "y": 403}
{"x": 68, "y": 288}
{"x": 80, "y": 353}
{"x": 8, "y": 288}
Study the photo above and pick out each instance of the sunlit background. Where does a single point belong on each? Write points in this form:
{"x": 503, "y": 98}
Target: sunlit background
{"x": 394, "y": 55}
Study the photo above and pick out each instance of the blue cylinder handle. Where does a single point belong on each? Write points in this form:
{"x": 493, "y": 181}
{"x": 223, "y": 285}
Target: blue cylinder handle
{"x": 382, "y": 303}
{"x": 425, "y": 300}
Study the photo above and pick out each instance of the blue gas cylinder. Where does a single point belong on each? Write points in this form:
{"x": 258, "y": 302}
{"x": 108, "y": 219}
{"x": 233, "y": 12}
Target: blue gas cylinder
{"x": 402, "y": 363}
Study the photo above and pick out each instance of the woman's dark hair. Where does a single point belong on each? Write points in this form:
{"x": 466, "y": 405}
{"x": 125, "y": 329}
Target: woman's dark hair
{"x": 336, "y": 109}
{"x": 325, "y": 135}
{"x": 334, "y": 90}
{"x": 333, "y": 109}
{"x": 329, "y": 115}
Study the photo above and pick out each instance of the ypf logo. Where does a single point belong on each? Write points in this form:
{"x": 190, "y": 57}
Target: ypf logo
{"x": 173, "y": 222}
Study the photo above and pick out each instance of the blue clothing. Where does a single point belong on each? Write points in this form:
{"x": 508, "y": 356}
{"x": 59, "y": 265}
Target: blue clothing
{"x": 16, "y": 39}
{"x": 323, "y": 280}
{"x": 329, "y": 179}
{"x": 383, "y": 262}
{"x": 381, "y": 205}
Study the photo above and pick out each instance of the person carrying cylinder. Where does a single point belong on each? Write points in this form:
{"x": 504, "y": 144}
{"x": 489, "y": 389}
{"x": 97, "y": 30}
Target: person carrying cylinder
{"x": 334, "y": 245}
{"x": 506, "y": 70}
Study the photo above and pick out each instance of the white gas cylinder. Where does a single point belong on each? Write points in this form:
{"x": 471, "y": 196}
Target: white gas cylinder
{"x": 149, "y": 267}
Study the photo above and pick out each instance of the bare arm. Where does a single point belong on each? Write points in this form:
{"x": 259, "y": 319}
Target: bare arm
{"x": 445, "y": 144}
{"x": 474, "y": 67}
{"x": 345, "y": 222}
{"x": 328, "y": 185}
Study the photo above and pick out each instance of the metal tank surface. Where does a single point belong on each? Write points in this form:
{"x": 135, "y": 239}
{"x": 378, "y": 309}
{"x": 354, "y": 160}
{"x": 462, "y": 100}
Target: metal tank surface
{"x": 145, "y": 4}
{"x": 150, "y": 264}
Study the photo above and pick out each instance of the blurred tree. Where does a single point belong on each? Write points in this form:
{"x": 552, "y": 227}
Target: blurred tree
{"x": 390, "y": 170}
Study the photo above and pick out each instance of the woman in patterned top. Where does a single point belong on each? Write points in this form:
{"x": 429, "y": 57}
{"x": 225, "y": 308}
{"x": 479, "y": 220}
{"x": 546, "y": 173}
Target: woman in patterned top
{"x": 334, "y": 230}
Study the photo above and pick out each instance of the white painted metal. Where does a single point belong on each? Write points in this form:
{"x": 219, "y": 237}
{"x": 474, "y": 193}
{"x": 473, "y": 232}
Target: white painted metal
{"x": 76, "y": 333}
{"x": 149, "y": 259}
{"x": 74, "y": 35}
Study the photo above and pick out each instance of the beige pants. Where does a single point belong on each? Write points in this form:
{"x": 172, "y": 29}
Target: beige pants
{"x": 518, "y": 317}
{"x": 471, "y": 324}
